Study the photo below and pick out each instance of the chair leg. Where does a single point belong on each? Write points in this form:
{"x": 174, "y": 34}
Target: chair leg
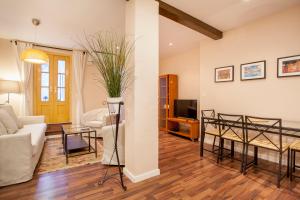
{"x": 213, "y": 148}
{"x": 202, "y": 137}
{"x": 255, "y": 155}
{"x": 243, "y": 158}
{"x": 288, "y": 164}
{"x": 291, "y": 164}
{"x": 279, "y": 170}
{"x": 219, "y": 150}
{"x": 232, "y": 149}
{"x": 294, "y": 161}
{"x": 246, "y": 159}
{"x": 222, "y": 149}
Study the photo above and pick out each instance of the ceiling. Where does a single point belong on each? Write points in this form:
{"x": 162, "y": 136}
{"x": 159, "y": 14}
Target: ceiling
{"x": 180, "y": 37}
{"x": 221, "y": 14}
{"x": 63, "y": 22}
{"x": 228, "y": 14}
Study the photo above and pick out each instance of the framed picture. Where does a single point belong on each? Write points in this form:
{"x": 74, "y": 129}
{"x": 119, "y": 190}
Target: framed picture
{"x": 224, "y": 74}
{"x": 288, "y": 66}
{"x": 253, "y": 71}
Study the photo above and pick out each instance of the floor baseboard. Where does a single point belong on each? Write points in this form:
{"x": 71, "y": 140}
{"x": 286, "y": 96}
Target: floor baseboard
{"x": 141, "y": 177}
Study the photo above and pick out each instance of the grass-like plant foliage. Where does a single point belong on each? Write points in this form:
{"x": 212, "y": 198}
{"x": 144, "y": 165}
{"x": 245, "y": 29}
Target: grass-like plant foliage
{"x": 110, "y": 52}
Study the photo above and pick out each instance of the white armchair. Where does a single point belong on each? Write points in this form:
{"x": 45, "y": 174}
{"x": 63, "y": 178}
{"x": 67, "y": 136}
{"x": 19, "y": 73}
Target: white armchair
{"x": 108, "y": 134}
{"x": 95, "y": 119}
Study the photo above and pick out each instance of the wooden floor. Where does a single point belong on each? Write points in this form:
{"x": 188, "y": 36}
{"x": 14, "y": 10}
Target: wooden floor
{"x": 184, "y": 175}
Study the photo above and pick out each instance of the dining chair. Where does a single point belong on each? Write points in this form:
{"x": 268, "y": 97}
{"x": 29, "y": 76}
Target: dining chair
{"x": 265, "y": 133}
{"x": 294, "y": 147}
{"x": 210, "y": 127}
{"x": 231, "y": 128}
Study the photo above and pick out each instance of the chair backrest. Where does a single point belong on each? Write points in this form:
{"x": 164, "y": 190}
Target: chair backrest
{"x": 233, "y": 124}
{"x": 269, "y": 129}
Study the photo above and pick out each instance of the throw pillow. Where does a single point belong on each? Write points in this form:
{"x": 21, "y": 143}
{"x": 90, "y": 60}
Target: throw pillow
{"x": 9, "y": 123}
{"x": 110, "y": 120}
{"x": 3, "y": 130}
{"x": 12, "y": 113}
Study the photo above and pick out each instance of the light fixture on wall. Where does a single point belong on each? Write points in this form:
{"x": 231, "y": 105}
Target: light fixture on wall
{"x": 7, "y": 86}
{"x": 35, "y": 55}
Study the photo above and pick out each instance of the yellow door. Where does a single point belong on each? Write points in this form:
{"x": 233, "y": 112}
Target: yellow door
{"x": 52, "y": 89}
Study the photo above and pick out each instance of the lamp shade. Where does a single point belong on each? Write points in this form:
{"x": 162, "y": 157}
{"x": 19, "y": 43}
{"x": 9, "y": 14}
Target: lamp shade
{"x": 34, "y": 56}
{"x": 7, "y": 86}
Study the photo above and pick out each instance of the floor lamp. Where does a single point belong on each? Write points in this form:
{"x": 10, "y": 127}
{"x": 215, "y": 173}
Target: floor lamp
{"x": 7, "y": 86}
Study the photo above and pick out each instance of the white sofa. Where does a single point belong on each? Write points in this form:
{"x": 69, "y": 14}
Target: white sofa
{"x": 95, "y": 119}
{"x": 20, "y": 152}
{"x": 108, "y": 134}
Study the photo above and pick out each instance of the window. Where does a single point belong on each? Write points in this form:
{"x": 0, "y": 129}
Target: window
{"x": 61, "y": 80}
{"x": 45, "y": 82}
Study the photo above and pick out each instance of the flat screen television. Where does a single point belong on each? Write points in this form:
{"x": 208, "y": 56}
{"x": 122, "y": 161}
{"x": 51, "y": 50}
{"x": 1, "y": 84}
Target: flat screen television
{"x": 186, "y": 108}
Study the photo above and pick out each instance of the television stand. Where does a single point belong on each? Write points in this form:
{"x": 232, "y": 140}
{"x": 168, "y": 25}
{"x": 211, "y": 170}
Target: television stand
{"x": 191, "y": 131}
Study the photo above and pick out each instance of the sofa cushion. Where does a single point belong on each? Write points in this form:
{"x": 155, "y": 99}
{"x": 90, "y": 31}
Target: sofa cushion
{"x": 94, "y": 124}
{"x": 9, "y": 123}
{"x": 37, "y": 135}
{"x": 3, "y": 130}
{"x": 12, "y": 113}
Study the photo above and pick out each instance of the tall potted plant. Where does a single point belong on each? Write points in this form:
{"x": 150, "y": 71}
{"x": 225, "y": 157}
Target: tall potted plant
{"x": 110, "y": 52}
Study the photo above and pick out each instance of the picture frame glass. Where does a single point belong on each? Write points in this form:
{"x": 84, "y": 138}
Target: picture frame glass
{"x": 288, "y": 66}
{"x": 256, "y": 70}
{"x": 224, "y": 74}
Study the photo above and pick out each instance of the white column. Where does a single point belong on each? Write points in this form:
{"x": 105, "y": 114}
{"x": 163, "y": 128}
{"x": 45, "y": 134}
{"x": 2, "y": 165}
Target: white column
{"x": 141, "y": 101}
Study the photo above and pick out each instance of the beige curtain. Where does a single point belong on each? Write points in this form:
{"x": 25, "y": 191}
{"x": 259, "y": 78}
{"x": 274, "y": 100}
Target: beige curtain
{"x": 26, "y": 84}
{"x": 79, "y": 59}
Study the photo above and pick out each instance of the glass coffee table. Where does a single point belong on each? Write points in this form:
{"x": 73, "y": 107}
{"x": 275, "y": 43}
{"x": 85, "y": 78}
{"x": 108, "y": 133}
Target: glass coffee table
{"x": 74, "y": 143}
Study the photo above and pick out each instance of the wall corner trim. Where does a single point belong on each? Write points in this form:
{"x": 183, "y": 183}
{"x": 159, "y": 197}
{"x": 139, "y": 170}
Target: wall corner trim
{"x": 141, "y": 177}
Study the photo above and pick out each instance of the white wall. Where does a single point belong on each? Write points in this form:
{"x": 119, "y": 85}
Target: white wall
{"x": 186, "y": 66}
{"x": 265, "y": 39}
{"x": 93, "y": 92}
{"x": 8, "y": 71}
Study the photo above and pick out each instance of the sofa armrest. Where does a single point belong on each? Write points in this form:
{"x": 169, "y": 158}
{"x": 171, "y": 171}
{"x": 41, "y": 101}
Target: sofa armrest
{"x": 15, "y": 157}
{"x": 32, "y": 119}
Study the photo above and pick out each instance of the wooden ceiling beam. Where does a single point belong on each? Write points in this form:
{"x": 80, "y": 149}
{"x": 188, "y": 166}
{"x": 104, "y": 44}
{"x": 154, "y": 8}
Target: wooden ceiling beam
{"x": 187, "y": 20}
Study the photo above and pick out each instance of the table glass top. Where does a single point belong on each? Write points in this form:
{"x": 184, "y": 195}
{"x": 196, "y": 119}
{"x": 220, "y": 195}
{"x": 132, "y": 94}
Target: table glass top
{"x": 76, "y": 128}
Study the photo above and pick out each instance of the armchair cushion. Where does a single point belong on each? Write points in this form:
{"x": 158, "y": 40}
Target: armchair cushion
{"x": 25, "y": 120}
{"x": 94, "y": 115}
{"x": 3, "y": 130}
{"x": 94, "y": 124}
{"x": 9, "y": 123}
{"x": 102, "y": 114}
{"x": 9, "y": 109}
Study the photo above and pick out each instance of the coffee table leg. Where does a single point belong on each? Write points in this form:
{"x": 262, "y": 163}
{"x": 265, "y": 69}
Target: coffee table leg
{"x": 89, "y": 141}
{"x": 66, "y": 148}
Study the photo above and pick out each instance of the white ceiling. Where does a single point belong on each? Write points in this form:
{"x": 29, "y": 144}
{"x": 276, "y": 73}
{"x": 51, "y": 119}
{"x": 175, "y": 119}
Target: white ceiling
{"x": 228, "y": 14}
{"x": 180, "y": 36}
{"x": 64, "y": 21}
{"x": 222, "y": 14}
